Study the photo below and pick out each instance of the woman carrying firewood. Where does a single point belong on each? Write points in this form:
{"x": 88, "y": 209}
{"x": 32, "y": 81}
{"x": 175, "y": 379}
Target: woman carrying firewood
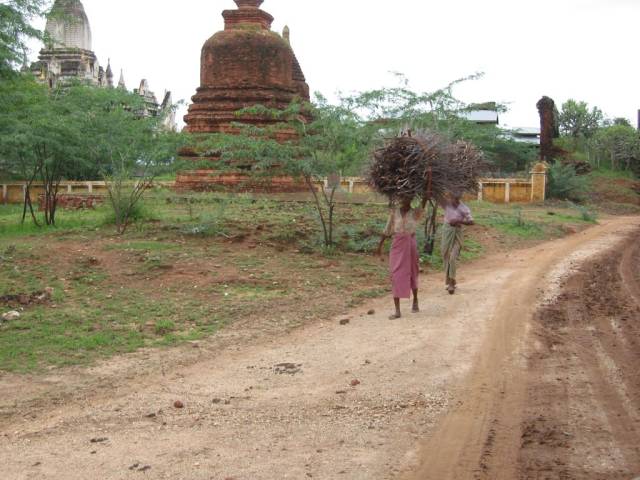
{"x": 456, "y": 214}
{"x": 403, "y": 258}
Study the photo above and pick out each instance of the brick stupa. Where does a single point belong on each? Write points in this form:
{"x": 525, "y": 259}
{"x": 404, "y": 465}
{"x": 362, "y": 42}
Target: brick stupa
{"x": 244, "y": 65}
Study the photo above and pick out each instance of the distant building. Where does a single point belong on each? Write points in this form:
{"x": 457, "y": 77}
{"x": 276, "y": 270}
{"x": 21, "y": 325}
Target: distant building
{"x": 68, "y": 55}
{"x": 153, "y": 108}
{"x": 482, "y": 117}
{"x": 487, "y": 114}
{"x": 529, "y": 135}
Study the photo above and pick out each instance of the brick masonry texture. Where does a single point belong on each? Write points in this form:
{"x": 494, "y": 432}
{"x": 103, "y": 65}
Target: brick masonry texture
{"x": 243, "y": 65}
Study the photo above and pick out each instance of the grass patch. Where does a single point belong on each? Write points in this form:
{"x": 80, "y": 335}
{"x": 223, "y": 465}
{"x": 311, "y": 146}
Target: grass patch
{"x": 66, "y": 221}
{"x": 513, "y": 222}
{"x": 164, "y": 327}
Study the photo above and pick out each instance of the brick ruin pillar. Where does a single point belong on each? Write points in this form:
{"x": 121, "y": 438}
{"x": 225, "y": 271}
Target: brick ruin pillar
{"x": 539, "y": 182}
{"x": 548, "y": 127}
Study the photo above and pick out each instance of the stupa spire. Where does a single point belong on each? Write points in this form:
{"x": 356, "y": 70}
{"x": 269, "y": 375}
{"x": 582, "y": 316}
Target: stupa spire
{"x": 248, "y": 13}
{"x": 68, "y": 25}
{"x": 249, "y": 3}
{"x": 121, "y": 83}
{"x": 109, "y": 74}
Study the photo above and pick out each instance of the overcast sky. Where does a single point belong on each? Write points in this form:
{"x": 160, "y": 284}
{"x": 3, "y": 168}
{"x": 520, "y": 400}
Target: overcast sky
{"x": 582, "y": 49}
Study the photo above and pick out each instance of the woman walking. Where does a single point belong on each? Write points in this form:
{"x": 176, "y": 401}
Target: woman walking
{"x": 403, "y": 258}
{"x": 456, "y": 214}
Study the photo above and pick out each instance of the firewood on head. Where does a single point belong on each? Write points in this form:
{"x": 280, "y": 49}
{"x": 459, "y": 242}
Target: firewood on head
{"x": 402, "y": 167}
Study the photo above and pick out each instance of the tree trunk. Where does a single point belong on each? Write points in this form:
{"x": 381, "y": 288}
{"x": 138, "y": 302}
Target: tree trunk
{"x": 309, "y": 183}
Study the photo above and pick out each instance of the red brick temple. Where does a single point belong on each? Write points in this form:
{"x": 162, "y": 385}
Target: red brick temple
{"x": 244, "y": 65}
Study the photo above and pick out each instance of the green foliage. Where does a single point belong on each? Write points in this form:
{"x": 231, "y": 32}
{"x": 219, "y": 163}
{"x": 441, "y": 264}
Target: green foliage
{"x": 400, "y": 108}
{"x": 80, "y": 132}
{"x": 138, "y": 212}
{"x": 618, "y": 146}
{"x": 621, "y": 121}
{"x": 565, "y": 184}
{"x": 577, "y": 120}
{"x": 36, "y": 129}
{"x": 16, "y": 30}
{"x": 40, "y": 137}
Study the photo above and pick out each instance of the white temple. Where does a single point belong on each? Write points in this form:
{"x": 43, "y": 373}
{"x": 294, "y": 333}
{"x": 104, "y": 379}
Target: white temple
{"x": 68, "y": 55}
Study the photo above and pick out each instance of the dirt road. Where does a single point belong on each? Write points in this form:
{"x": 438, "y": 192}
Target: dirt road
{"x": 481, "y": 385}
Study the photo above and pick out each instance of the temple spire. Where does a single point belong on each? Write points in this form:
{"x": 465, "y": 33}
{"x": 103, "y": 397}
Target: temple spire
{"x": 68, "y": 26}
{"x": 121, "y": 83}
{"x": 109, "y": 74}
{"x": 286, "y": 34}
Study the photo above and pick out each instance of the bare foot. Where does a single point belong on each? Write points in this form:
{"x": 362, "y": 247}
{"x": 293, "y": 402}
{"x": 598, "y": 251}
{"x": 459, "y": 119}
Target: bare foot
{"x": 416, "y": 308}
{"x": 451, "y": 289}
{"x": 395, "y": 316}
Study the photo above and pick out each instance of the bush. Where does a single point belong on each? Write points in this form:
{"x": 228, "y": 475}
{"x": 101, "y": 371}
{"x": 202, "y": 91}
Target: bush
{"x": 566, "y": 184}
{"x": 138, "y": 212}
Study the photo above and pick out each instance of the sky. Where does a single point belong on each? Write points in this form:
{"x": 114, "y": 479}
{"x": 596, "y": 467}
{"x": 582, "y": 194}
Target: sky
{"x": 581, "y": 49}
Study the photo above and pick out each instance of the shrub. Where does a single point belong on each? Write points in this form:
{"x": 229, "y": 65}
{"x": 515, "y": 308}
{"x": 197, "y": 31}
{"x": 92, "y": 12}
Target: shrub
{"x": 136, "y": 212}
{"x": 565, "y": 184}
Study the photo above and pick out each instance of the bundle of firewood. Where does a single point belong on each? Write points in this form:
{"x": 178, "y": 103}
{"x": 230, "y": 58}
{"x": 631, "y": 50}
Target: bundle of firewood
{"x": 425, "y": 165}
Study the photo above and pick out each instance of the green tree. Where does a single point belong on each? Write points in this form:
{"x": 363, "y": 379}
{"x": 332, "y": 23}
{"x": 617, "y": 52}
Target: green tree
{"x": 78, "y": 131}
{"x": 40, "y": 138}
{"x": 400, "y": 108}
{"x": 621, "y": 121}
{"x": 16, "y": 29}
{"x": 577, "y": 120}
{"x": 337, "y": 142}
{"x": 130, "y": 150}
{"x": 619, "y": 145}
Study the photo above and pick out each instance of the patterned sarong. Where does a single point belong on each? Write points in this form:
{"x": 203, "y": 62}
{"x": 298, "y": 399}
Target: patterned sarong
{"x": 451, "y": 245}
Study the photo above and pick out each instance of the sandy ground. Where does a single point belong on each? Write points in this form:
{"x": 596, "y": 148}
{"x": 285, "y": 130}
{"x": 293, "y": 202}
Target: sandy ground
{"x": 453, "y": 392}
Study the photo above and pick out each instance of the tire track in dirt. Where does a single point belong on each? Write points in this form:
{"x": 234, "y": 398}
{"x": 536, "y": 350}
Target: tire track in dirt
{"x": 517, "y": 401}
{"x": 582, "y": 417}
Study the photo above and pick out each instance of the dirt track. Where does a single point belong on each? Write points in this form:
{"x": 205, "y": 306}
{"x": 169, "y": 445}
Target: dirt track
{"x": 475, "y": 386}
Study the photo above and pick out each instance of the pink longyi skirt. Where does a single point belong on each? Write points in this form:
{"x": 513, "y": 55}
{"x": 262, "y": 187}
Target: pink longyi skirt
{"x": 404, "y": 265}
